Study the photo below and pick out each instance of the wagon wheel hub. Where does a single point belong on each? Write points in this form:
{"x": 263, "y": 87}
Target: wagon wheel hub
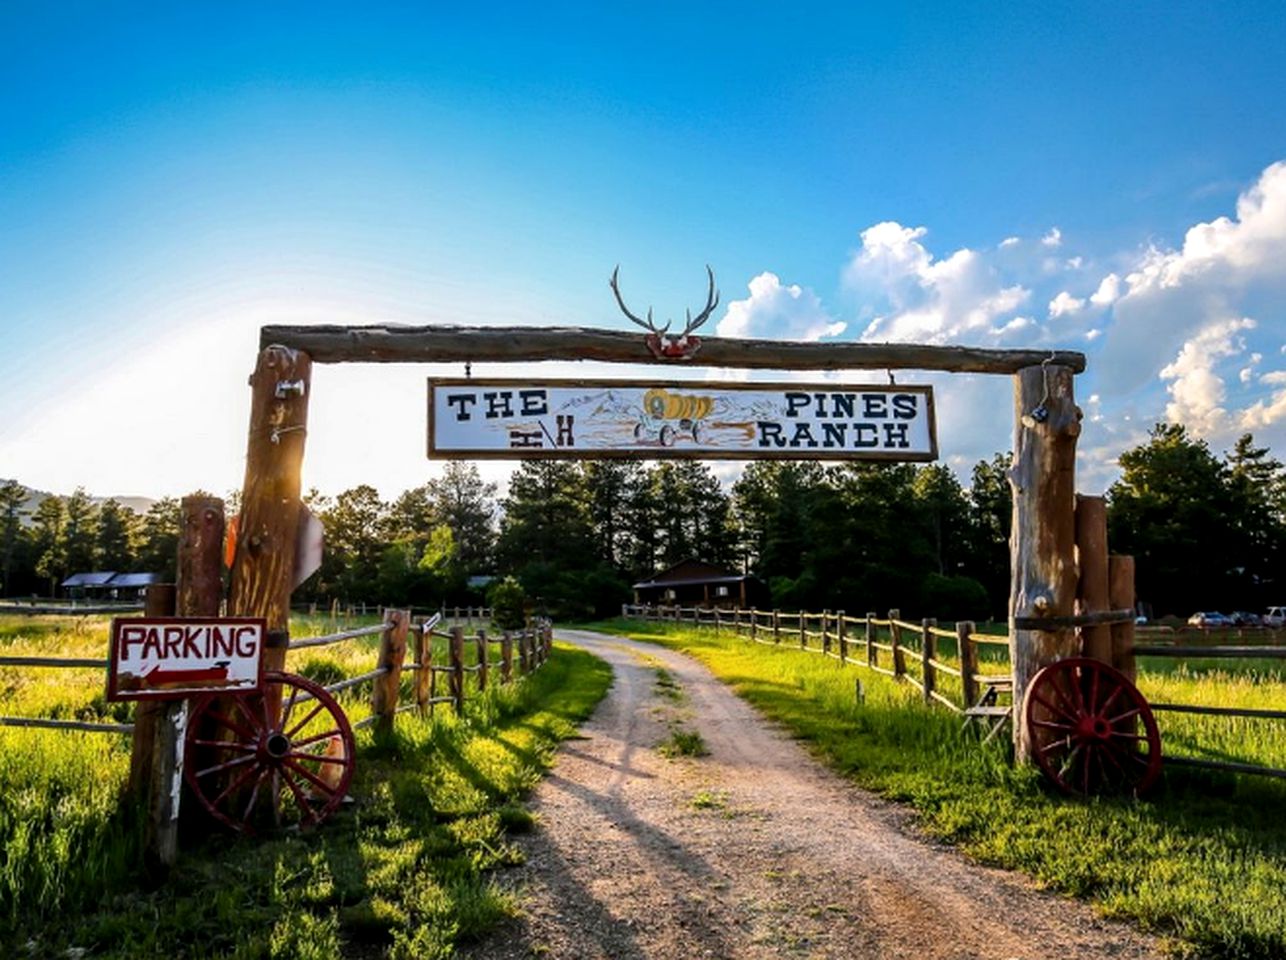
{"x": 276, "y": 746}
{"x": 1093, "y": 728}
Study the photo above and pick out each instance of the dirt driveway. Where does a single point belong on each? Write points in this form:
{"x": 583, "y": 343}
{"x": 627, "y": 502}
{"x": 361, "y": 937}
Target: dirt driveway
{"x": 753, "y": 850}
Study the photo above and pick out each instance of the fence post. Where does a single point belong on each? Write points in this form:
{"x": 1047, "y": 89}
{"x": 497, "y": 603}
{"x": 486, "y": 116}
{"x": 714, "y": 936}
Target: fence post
{"x": 776, "y": 626}
{"x": 457, "y": 669}
{"x": 929, "y": 648}
{"x": 803, "y": 633}
{"x": 507, "y": 657}
{"x": 968, "y": 662}
{"x": 385, "y": 690}
{"x": 548, "y": 631}
{"x": 899, "y": 660}
{"x": 716, "y": 621}
{"x": 524, "y": 651}
{"x": 754, "y": 624}
{"x": 826, "y": 636}
{"x": 843, "y": 637}
{"x": 871, "y": 658}
{"x": 483, "y": 665}
{"x": 736, "y": 621}
{"x": 424, "y": 669}
{"x": 1121, "y": 597}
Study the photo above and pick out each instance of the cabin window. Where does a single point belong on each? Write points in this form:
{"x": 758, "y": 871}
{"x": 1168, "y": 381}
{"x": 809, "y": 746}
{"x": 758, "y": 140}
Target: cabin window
{"x": 721, "y": 591}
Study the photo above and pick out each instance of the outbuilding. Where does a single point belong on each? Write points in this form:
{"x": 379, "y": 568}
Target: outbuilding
{"x": 694, "y": 581}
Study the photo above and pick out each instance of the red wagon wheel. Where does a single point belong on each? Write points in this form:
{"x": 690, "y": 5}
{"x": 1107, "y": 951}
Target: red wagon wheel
{"x": 248, "y": 770}
{"x": 1084, "y": 720}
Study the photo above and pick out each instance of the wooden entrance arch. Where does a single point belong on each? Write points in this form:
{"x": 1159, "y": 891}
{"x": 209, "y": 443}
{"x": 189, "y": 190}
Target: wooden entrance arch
{"x": 1046, "y": 424}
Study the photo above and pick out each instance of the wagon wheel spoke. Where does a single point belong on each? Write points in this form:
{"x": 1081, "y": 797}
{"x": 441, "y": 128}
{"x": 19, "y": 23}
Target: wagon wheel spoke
{"x": 305, "y": 808}
{"x": 290, "y": 734}
{"x": 225, "y": 721}
{"x": 254, "y": 794}
{"x": 312, "y": 778}
{"x": 1057, "y": 711}
{"x": 1053, "y": 725}
{"x": 1085, "y": 770}
{"x": 1132, "y": 712}
{"x": 226, "y": 745}
{"x": 240, "y": 703}
{"x": 1111, "y": 698}
{"x": 233, "y": 787}
{"x": 289, "y": 708}
{"x": 1093, "y": 700}
{"x": 315, "y": 738}
{"x": 317, "y": 758}
{"x": 1122, "y": 735}
{"x": 235, "y": 762}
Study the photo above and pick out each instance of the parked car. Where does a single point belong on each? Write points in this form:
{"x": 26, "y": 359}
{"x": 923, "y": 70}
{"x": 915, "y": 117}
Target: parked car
{"x": 1275, "y": 618}
{"x": 1244, "y": 618}
{"x": 1209, "y": 619}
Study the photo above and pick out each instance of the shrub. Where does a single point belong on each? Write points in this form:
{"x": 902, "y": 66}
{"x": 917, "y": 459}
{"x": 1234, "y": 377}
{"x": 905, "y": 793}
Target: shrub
{"x": 507, "y": 600}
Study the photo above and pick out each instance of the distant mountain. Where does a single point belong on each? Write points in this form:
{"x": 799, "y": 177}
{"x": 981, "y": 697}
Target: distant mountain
{"x": 139, "y": 505}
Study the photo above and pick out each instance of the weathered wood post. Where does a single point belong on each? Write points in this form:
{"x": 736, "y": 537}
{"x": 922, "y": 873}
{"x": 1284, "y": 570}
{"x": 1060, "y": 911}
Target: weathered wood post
{"x": 754, "y": 624}
{"x": 842, "y": 631}
{"x": 717, "y": 624}
{"x": 198, "y": 593}
{"x": 424, "y": 666}
{"x": 386, "y": 689}
{"x": 158, "y": 601}
{"x": 457, "y": 669}
{"x": 826, "y": 635}
{"x": 524, "y": 650}
{"x": 507, "y": 657}
{"x": 548, "y": 633}
{"x": 968, "y": 662}
{"x": 263, "y": 569}
{"x": 736, "y": 621}
{"x": 1121, "y": 597}
{"x": 895, "y": 632}
{"x": 929, "y": 648}
{"x": 483, "y": 659}
{"x": 871, "y": 659}
{"x": 1042, "y": 542}
{"x": 776, "y": 626}
{"x": 803, "y": 630}
{"x": 1091, "y": 563}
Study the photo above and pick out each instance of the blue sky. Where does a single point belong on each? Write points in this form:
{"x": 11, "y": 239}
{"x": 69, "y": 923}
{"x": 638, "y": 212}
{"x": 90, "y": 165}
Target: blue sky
{"x": 1095, "y": 176}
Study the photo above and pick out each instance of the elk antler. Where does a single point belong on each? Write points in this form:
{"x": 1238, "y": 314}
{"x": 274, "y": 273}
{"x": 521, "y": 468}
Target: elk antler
{"x": 712, "y": 301}
{"x": 645, "y": 324}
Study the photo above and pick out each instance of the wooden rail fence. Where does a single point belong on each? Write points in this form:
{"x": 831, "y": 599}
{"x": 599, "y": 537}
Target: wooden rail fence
{"x": 888, "y": 644}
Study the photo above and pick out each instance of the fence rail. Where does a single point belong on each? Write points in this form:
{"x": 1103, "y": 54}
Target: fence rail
{"x": 979, "y": 690}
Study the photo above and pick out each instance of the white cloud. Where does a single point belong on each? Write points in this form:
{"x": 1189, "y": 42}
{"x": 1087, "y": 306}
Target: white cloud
{"x": 1010, "y": 242}
{"x": 1107, "y": 291}
{"x": 1196, "y": 389}
{"x": 1053, "y": 239}
{"x": 776, "y": 310}
{"x": 1093, "y": 333}
{"x": 925, "y": 300}
{"x": 1074, "y": 263}
{"x": 1065, "y": 304}
{"x": 1274, "y": 378}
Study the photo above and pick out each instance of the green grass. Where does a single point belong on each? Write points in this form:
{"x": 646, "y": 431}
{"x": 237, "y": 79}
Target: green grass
{"x": 683, "y": 743}
{"x": 1202, "y": 862}
{"x": 401, "y": 873}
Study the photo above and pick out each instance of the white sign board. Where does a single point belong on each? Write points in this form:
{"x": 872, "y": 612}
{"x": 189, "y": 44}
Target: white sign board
{"x": 589, "y": 419}
{"x": 167, "y": 658}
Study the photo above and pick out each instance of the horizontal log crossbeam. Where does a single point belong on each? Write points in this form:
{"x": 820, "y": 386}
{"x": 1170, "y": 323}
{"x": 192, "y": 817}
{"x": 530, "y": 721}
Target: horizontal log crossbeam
{"x": 444, "y": 344}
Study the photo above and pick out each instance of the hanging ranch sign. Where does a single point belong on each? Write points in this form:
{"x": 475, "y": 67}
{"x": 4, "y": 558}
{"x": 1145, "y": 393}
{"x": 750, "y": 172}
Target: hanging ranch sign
{"x": 513, "y": 419}
{"x": 163, "y": 658}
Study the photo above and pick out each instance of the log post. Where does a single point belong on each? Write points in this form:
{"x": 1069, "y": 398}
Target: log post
{"x": 929, "y": 648}
{"x": 871, "y": 659}
{"x": 776, "y": 626}
{"x": 424, "y": 666}
{"x": 736, "y": 621}
{"x": 1091, "y": 563}
{"x": 483, "y": 664}
{"x": 803, "y": 630}
{"x": 507, "y": 657}
{"x": 716, "y": 621}
{"x": 1121, "y": 597}
{"x": 895, "y": 632}
{"x": 524, "y": 651}
{"x": 754, "y": 624}
{"x": 842, "y": 630}
{"x": 826, "y": 636}
{"x": 457, "y": 669}
{"x": 263, "y": 569}
{"x": 1042, "y": 542}
{"x": 158, "y": 601}
{"x": 548, "y": 631}
{"x": 968, "y": 662}
{"x": 392, "y": 654}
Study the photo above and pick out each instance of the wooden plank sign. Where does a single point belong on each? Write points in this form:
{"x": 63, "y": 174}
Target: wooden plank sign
{"x": 646, "y": 419}
{"x": 169, "y": 658}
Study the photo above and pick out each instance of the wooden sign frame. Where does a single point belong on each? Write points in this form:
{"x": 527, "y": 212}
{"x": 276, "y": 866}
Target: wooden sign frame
{"x": 650, "y": 450}
{"x": 189, "y": 684}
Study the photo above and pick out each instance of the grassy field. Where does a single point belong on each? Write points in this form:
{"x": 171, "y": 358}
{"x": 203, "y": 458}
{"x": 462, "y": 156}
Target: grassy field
{"x": 1201, "y": 862}
{"x": 403, "y": 872}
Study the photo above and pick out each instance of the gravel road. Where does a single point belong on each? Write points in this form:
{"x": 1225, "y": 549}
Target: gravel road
{"x": 753, "y": 850}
